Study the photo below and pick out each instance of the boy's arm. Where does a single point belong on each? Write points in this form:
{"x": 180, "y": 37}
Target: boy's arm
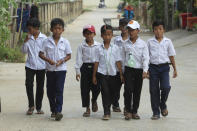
{"x": 172, "y": 60}
{"x": 145, "y": 61}
{"x": 94, "y": 72}
{"x": 41, "y": 55}
{"x": 59, "y": 62}
{"x": 24, "y": 48}
{"x": 79, "y": 62}
{"x": 119, "y": 66}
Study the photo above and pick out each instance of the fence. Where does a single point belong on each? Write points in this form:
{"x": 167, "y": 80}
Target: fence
{"x": 68, "y": 11}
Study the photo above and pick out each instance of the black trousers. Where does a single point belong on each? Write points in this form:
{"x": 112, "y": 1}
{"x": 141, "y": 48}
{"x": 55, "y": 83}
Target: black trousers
{"x": 116, "y": 90}
{"x": 107, "y": 84}
{"x": 133, "y": 87}
{"x": 29, "y": 82}
{"x": 87, "y": 85}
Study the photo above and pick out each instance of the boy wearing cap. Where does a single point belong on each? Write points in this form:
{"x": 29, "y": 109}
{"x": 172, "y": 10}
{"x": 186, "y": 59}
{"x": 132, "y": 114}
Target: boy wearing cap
{"x": 162, "y": 53}
{"x": 120, "y": 41}
{"x": 84, "y": 68}
{"x": 136, "y": 67}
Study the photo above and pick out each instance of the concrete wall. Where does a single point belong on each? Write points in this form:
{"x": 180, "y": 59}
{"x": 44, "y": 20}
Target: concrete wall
{"x": 109, "y": 3}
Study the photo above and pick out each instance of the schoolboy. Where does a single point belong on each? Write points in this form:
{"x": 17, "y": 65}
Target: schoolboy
{"x": 34, "y": 65}
{"x": 56, "y": 52}
{"x": 120, "y": 41}
{"x": 84, "y": 68}
{"x": 136, "y": 67}
{"x": 107, "y": 58}
{"x": 162, "y": 53}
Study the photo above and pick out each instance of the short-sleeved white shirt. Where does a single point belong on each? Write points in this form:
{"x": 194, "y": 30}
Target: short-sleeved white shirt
{"x": 120, "y": 43}
{"x": 107, "y": 59}
{"x": 139, "y": 51}
{"x": 160, "y": 51}
{"x": 32, "y": 48}
{"x": 56, "y": 52}
{"x": 85, "y": 54}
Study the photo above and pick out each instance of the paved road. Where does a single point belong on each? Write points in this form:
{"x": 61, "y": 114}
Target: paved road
{"x": 182, "y": 103}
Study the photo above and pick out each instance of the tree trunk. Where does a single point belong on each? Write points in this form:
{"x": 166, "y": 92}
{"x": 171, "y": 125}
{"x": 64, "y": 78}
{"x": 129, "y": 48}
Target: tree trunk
{"x": 166, "y": 14}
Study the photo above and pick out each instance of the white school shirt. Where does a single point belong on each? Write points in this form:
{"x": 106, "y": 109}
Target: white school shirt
{"x": 32, "y": 48}
{"x": 139, "y": 51}
{"x": 120, "y": 42}
{"x": 85, "y": 54}
{"x": 160, "y": 52}
{"x": 56, "y": 52}
{"x": 107, "y": 59}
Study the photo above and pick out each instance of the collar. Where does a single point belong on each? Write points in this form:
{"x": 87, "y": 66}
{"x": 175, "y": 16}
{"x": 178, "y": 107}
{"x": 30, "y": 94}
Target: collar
{"x": 39, "y": 36}
{"x": 138, "y": 39}
{"x": 94, "y": 44}
{"x": 119, "y": 38}
{"x": 110, "y": 45}
{"x": 61, "y": 40}
{"x": 154, "y": 39}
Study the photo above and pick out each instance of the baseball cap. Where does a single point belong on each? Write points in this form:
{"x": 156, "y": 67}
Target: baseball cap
{"x": 90, "y": 28}
{"x": 133, "y": 24}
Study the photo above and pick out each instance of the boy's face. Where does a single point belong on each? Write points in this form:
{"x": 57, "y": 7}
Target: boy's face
{"x": 32, "y": 30}
{"x": 158, "y": 31}
{"x": 57, "y": 30}
{"x": 123, "y": 29}
{"x": 133, "y": 33}
{"x": 107, "y": 36}
{"x": 89, "y": 35}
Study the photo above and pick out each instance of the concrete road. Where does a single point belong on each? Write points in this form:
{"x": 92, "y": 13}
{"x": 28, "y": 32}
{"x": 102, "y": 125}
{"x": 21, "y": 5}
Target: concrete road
{"x": 182, "y": 102}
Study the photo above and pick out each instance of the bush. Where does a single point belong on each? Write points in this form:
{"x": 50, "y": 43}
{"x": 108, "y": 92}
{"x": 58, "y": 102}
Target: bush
{"x": 11, "y": 55}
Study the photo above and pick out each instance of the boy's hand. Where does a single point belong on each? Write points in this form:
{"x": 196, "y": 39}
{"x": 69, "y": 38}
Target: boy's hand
{"x": 78, "y": 77}
{"x": 59, "y": 62}
{"x": 27, "y": 38}
{"x": 174, "y": 74}
{"x": 122, "y": 78}
{"x": 148, "y": 75}
{"x": 144, "y": 75}
{"x": 94, "y": 80}
{"x": 51, "y": 62}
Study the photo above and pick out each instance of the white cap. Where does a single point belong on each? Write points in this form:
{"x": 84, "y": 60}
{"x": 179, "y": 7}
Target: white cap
{"x": 133, "y": 24}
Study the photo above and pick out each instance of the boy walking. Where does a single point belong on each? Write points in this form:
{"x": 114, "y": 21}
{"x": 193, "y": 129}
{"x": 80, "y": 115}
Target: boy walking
{"x": 136, "y": 67}
{"x": 56, "y": 52}
{"x": 107, "y": 59}
{"x": 162, "y": 53}
{"x": 84, "y": 65}
{"x": 34, "y": 65}
{"x": 120, "y": 41}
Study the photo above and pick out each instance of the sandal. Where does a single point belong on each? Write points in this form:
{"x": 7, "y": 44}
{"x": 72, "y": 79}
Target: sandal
{"x": 116, "y": 109}
{"x": 106, "y": 117}
{"x": 30, "y": 111}
{"x": 94, "y": 106}
{"x": 40, "y": 112}
{"x": 164, "y": 112}
{"x": 53, "y": 114}
{"x": 135, "y": 116}
{"x": 87, "y": 113}
{"x": 128, "y": 116}
{"x": 155, "y": 117}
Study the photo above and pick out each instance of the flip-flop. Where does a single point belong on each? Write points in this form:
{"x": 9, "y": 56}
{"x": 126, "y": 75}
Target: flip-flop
{"x": 30, "y": 111}
{"x": 40, "y": 112}
{"x": 164, "y": 112}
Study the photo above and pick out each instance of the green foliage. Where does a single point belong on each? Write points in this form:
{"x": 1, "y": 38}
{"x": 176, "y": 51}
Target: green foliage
{"x": 11, "y": 55}
{"x": 5, "y": 19}
{"x": 195, "y": 26}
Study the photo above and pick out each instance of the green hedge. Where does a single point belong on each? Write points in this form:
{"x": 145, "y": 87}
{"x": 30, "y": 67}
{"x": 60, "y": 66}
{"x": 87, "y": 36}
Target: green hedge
{"x": 11, "y": 55}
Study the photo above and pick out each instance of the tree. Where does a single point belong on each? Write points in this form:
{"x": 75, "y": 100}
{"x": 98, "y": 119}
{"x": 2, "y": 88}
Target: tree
{"x": 5, "y": 19}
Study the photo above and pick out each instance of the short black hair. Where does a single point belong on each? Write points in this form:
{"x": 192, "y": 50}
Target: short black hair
{"x": 34, "y": 22}
{"x": 157, "y": 23}
{"x": 57, "y": 21}
{"x": 123, "y": 22}
{"x": 104, "y": 28}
